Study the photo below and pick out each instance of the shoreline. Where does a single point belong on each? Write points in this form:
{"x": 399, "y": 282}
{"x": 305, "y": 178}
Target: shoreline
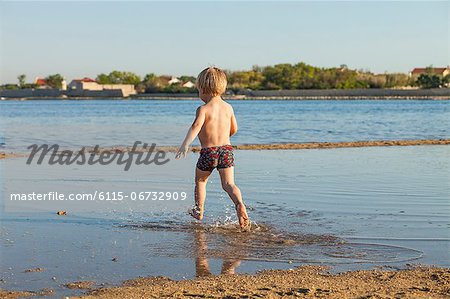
{"x": 294, "y": 94}
{"x": 416, "y": 281}
{"x": 250, "y": 98}
{"x": 268, "y": 146}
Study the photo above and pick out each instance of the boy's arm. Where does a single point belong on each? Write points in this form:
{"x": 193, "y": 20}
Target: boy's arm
{"x": 192, "y": 133}
{"x": 234, "y": 126}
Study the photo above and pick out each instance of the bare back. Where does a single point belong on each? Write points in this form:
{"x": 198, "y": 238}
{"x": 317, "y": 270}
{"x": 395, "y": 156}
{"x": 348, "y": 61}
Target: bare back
{"x": 219, "y": 118}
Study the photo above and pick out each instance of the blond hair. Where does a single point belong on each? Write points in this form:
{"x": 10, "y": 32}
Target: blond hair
{"x": 212, "y": 81}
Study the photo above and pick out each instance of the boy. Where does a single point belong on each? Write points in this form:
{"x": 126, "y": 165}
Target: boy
{"x": 214, "y": 124}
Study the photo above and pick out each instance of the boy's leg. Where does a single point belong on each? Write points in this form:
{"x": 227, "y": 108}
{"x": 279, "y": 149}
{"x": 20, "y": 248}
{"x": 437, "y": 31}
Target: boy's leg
{"x": 201, "y": 178}
{"x": 227, "y": 179}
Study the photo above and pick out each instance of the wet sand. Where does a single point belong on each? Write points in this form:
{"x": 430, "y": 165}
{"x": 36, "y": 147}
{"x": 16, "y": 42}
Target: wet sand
{"x": 304, "y": 282}
{"x": 270, "y": 146}
{"x": 307, "y": 145}
{"x": 310, "y": 145}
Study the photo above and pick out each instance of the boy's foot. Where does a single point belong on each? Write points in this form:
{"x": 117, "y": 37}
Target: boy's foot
{"x": 242, "y": 215}
{"x": 196, "y": 213}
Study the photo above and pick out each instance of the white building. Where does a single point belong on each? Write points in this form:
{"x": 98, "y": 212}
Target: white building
{"x": 174, "y": 80}
{"x": 189, "y": 84}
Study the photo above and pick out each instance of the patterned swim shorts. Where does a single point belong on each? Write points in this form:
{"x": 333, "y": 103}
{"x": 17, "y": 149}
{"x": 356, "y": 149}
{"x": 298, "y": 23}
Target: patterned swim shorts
{"x": 215, "y": 157}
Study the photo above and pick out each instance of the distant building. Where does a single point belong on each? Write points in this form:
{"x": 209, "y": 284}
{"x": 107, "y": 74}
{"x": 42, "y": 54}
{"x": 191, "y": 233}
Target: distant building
{"x": 168, "y": 80}
{"x": 440, "y": 71}
{"x": 84, "y": 84}
{"x": 188, "y": 84}
{"x": 41, "y": 83}
{"x": 174, "y": 80}
{"x": 90, "y": 84}
{"x": 64, "y": 85}
{"x": 127, "y": 89}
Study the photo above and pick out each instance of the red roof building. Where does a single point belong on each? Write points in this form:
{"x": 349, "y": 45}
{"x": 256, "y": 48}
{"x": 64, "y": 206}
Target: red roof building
{"x": 40, "y": 81}
{"x": 440, "y": 71}
{"x": 85, "y": 79}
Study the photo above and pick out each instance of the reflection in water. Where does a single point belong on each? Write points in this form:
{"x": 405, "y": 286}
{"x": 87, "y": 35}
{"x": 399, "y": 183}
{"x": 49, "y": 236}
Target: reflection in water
{"x": 229, "y": 265}
{"x": 266, "y": 244}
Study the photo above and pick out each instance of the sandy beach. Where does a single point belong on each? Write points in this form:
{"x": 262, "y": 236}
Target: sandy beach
{"x": 302, "y": 282}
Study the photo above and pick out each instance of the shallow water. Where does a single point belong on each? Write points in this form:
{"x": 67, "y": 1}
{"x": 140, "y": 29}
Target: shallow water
{"x": 350, "y": 208}
{"x": 78, "y": 123}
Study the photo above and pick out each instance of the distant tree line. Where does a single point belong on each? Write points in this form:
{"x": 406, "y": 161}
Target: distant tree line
{"x": 304, "y": 76}
{"x": 277, "y": 77}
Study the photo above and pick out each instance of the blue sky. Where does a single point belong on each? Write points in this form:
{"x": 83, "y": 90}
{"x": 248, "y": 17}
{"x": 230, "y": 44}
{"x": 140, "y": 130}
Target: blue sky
{"x": 80, "y": 39}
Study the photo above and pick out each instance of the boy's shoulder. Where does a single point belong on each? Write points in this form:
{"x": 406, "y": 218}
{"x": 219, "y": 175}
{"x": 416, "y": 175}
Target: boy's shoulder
{"x": 202, "y": 109}
{"x": 226, "y": 104}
